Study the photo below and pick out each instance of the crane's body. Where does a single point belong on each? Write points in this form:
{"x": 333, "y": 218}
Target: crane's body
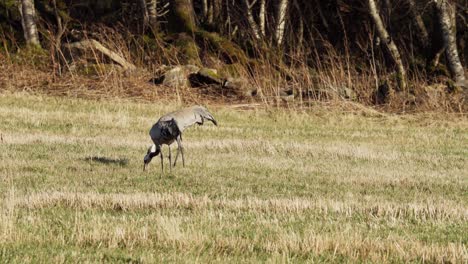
{"x": 169, "y": 129}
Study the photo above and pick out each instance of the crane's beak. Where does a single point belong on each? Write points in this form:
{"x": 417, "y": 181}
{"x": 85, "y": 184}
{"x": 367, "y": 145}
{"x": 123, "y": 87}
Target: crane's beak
{"x": 144, "y": 166}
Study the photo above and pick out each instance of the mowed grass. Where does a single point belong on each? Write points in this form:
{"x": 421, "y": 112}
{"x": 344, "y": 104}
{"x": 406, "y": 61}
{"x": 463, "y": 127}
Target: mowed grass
{"x": 263, "y": 186}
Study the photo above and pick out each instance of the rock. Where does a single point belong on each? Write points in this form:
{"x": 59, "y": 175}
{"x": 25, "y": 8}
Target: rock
{"x": 462, "y": 84}
{"x": 347, "y": 93}
{"x": 239, "y": 86}
{"x": 455, "y": 87}
{"x": 205, "y": 76}
{"x": 177, "y": 76}
{"x": 287, "y": 95}
{"x": 383, "y": 93}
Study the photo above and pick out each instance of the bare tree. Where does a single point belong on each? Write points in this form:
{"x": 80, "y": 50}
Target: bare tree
{"x": 28, "y": 21}
{"x": 253, "y": 24}
{"x": 152, "y": 13}
{"x": 389, "y": 44}
{"x": 261, "y": 17}
{"x": 446, "y": 14}
{"x": 418, "y": 22}
{"x": 149, "y": 13}
{"x": 144, "y": 11}
{"x": 281, "y": 21}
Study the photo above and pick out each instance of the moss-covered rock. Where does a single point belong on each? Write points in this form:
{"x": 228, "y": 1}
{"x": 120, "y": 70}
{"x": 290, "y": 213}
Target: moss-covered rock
{"x": 32, "y": 55}
{"x": 229, "y": 51}
{"x": 188, "y": 49}
{"x": 234, "y": 70}
{"x": 176, "y": 77}
{"x": 205, "y": 76}
{"x": 383, "y": 93}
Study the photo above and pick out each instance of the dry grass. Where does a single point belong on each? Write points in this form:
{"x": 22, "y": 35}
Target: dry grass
{"x": 265, "y": 186}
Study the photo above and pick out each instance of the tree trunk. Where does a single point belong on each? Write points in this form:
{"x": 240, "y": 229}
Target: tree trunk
{"x": 181, "y": 16}
{"x": 144, "y": 13}
{"x": 205, "y": 10}
{"x": 390, "y": 45}
{"x": 217, "y": 10}
{"x": 281, "y": 21}
{"x": 92, "y": 44}
{"x": 28, "y": 22}
{"x": 153, "y": 13}
{"x": 262, "y": 17}
{"x": 422, "y": 34}
{"x": 322, "y": 16}
{"x": 436, "y": 46}
{"x": 250, "y": 18}
{"x": 182, "y": 22}
{"x": 445, "y": 12}
{"x": 189, "y": 36}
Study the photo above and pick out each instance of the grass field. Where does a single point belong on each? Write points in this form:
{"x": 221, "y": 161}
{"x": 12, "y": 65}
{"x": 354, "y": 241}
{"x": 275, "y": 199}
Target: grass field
{"x": 264, "y": 186}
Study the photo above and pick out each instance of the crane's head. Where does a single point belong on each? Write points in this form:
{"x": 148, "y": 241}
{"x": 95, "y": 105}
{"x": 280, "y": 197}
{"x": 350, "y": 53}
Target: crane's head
{"x": 152, "y": 152}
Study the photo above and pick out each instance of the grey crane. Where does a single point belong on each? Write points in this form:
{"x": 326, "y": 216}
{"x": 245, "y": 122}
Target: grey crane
{"x": 169, "y": 128}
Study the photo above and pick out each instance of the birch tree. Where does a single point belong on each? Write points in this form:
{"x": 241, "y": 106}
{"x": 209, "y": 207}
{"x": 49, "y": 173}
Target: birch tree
{"x": 28, "y": 21}
{"x": 281, "y": 21}
{"x": 152, "y": 13}
{"x": 261, "y": 18}
{"x": 421, "y": 29}
{"x": 445, "y": 12}
{"x": 253, "y": 24}
{"x": 389, "y": 44}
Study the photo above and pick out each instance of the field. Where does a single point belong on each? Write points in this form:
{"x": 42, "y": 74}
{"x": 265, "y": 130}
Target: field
{"x": 264, "y": 186}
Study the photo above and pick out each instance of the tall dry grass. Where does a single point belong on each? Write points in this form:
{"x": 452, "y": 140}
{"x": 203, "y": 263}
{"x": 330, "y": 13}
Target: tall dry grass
{"x": 297, "y": 79}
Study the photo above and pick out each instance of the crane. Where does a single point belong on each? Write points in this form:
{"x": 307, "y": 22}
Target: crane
{"x": 169, "y": 129}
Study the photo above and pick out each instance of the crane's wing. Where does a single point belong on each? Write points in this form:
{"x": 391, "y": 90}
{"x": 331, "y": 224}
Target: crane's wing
{"x": 187, "y": 117}
{"x": 165, "y": 131}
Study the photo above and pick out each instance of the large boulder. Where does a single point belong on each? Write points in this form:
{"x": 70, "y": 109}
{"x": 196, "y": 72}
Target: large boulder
{"x": 176, "y": 77}
{"x": 239, "y": 86}
{"x": 205, "y": 76}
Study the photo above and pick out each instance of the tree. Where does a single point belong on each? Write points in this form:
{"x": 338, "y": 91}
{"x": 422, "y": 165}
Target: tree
{"x": 253, "y": 25}
{"x": 152, "y": 13}
{"x": 389, "y": 44}
{"x": 281, "y": 21}
{"x": 421, "y": 29}
{"x": 445, "y": 12}
{"x": 28, "y": 21}
{"x": 182, "y": 16}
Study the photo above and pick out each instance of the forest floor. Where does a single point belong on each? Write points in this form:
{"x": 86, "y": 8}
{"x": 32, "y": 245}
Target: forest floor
{"x": 266, "y": 185}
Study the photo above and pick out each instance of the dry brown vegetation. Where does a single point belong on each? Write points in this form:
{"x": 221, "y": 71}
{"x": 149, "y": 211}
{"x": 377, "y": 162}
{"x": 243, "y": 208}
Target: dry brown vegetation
{"x": 281, "y": 53}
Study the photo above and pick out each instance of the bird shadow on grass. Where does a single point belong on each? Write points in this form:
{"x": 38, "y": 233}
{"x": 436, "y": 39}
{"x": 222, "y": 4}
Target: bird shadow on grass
{"x": 108, "y": 161}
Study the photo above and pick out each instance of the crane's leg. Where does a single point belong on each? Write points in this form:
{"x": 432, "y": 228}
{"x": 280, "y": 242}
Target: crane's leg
{"x": 179, "y": 143}
{"x": 170, "y": 159}
{"x": 177, "y": 156}
{"x": 162, "y": 163}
